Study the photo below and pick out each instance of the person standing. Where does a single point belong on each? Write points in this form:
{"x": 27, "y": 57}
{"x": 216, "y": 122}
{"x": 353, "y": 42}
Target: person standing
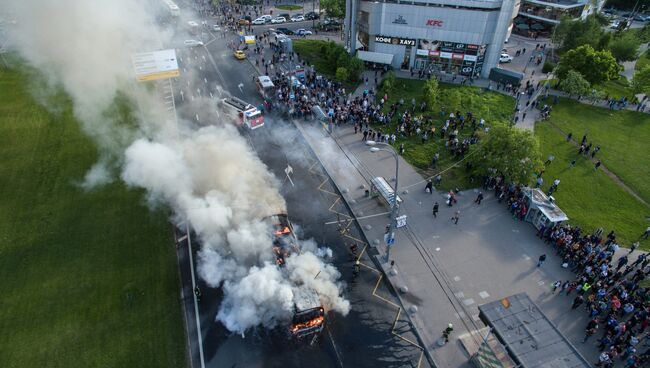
{"x": 435, "y": 210}
{"x": 479, "y": 198}
{"x": 597, "y": 165}
{"x": 541, "y": 260}
{"x": 455, "y": 217}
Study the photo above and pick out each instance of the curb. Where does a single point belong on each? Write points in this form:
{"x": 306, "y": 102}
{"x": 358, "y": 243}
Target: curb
{"x": 374, "y": 259}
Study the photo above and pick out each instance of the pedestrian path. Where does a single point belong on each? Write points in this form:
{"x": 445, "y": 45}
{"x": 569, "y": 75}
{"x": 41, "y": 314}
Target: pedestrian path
{"x": 444, "y": 271}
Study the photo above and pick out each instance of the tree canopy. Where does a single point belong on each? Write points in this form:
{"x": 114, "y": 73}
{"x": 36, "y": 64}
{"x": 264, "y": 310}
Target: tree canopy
{"x": 595, "y": 66}
{"x": 574, "y": 84}
{"x": 512, "y": 152}
{"x": 431, "y": 91}
{"x": 571, "y": 33}
{"x": 625, "y": 47}
{"x": 641, "y": 81}
{"x": 333, "y": 8}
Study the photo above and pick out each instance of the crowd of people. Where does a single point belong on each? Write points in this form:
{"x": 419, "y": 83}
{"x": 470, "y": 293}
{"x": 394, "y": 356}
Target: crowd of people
{"x": 608, "y": 289}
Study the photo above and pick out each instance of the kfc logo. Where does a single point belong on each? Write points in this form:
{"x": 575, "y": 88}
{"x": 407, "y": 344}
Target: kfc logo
{"x": 434, "y": 23}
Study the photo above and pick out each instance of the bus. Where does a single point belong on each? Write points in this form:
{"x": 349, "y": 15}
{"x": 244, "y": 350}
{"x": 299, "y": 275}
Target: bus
{"x": 308, "y": 313}
{"x": 174, "y": 11}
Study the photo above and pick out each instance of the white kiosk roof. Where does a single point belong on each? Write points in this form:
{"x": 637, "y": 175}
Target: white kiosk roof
{"x": 265, "y": 81}
{"x": 548, "y": 208}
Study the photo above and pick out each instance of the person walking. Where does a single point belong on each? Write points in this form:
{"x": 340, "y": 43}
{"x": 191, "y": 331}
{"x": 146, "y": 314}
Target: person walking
{"x": 577, "y": 301}
{"x": 588, "y": 333}
{"x": 455, "y": 217}
{"x": 429, "y": 187}
{"x": 646, "y": 233}
{"x": 555, "y": 286}
{"x": 597, "y": 165}
{"x": 479, "y": 198}
{"x": 447, "y": 331}
{"x": 435, "y": 210}
{"x": 541, "y": 260}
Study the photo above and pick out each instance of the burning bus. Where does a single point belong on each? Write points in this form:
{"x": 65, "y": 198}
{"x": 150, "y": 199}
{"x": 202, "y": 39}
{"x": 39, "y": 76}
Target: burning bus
{"x": 309, "y": 315}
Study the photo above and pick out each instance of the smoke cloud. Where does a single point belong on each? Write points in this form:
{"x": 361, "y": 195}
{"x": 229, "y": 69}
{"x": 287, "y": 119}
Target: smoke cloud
{"x": 208, "y": 175}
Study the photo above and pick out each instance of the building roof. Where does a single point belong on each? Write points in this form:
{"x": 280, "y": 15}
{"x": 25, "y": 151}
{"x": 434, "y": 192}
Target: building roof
{"x": 530, "y": 337}
{"x": 375, "y": 57}
{"x": 544, "y": 204}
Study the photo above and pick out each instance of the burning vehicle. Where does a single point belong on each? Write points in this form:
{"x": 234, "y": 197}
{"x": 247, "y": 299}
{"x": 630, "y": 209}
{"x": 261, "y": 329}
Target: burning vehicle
{"x": 308, "y": 315}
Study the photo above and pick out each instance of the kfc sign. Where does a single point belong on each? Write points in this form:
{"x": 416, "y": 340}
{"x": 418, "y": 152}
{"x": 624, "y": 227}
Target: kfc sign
{"x": 434, "y": 23}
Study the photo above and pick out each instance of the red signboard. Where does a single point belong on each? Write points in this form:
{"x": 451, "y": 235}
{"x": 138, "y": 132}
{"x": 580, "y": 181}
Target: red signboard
{"x": 457, "y": 56}
{"x": 434, "y": 22}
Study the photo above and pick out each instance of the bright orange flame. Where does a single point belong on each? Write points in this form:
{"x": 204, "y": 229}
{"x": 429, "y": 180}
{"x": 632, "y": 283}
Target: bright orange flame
{"x": 311, "y": 323}
{"x": 285, "y": 230}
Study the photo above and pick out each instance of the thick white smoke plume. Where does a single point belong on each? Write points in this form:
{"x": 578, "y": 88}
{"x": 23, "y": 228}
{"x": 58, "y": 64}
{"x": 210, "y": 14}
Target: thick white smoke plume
{"x": 210, "y": 177}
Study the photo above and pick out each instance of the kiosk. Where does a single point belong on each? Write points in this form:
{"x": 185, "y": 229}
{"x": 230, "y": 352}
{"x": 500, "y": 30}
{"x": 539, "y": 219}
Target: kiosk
{"x": 542, "y": 210}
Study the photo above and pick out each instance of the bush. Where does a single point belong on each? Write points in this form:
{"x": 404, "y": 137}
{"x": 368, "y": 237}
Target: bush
{"x": 389, "y": 82}
{"x": 548, "y": 67}
{"x": 341, "y": 74}
{"x": 355, "y": 67}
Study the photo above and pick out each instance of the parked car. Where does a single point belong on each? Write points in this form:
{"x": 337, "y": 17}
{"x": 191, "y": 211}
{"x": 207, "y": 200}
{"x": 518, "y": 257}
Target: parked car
{"x": 641, "y": 18}
{"x": 298, "y": 18}
{"x": 216, "y": 28}
{"x": 239, "y": 55}
{"x": 193, "y": 43}
{"x": 244, "y": 22}
{"x": 505, "y": 58}
{"x": 615, "y": 24}
{"x": 267, "y": 18}
{"x": 303, "y": 32}
{"x": 284, "y": 15}
{"x": 279, "y": 20}
{"x": 259, "y": 21}
{"x": 285, "y": 31}
{"x": 312, "y": 15}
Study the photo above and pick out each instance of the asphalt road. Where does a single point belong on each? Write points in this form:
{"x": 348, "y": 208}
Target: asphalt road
{"x": 373, "y": 334}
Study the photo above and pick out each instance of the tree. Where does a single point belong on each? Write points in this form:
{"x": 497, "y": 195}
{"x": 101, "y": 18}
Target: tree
{"x": 574, "y": 84}
{"x": 389, "y": 82}
{"x": 595, "y": 66}
{"x": 333, "y": 8}
{"x": 341, "y": 74}
{"x": 625, "y": 47}
{"x": 431, "y": 91}
{"x": 512, "y": 152}
{"x": 641, "y": 81}
{"x": 355, "y": 67}
{"x": 571, "y": 33}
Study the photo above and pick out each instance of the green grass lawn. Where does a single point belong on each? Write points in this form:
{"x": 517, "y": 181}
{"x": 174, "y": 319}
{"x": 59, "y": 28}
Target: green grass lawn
{"x": 490, "y": 106}
{"x": 590, "y": 198}
{"x": 642, "y": 61}
{"x": 617, "y": 88}
{"x": 622, "y": 135}
{"x": 288, "y": 7}
{"x": 89, "y": 279}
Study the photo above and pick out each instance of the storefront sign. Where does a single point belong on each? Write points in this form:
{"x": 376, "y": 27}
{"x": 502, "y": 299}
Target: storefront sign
{"x": 400, "y": 20}
{"x": 457, "y": 56}
{"x": 445, "y": 55}
{"x": 421, "y": 52}
{"x": 470, "y": 57}
{"x": 395, "y": 40}
{"x": 434, "y": 23}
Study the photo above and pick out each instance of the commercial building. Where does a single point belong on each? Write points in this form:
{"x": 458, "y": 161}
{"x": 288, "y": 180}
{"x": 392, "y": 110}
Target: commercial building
{"x": 450, "y": 36}
{"x": 537, "y": 18}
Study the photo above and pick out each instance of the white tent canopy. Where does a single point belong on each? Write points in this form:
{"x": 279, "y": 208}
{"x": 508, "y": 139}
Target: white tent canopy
{"x": 375, "y": 57}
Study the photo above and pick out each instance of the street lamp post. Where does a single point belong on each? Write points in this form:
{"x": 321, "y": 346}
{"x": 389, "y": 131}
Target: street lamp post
{"x": 394, "y": 205}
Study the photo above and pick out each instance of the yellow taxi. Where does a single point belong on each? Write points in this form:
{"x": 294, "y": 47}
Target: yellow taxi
{"x": 240, "y": 55}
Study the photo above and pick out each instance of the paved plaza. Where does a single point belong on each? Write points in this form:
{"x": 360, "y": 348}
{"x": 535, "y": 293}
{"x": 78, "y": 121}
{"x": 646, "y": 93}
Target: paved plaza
{"x": 449, "y": 270}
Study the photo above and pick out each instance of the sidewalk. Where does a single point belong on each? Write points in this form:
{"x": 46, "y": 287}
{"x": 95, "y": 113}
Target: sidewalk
{"x": 442, "y": 271}
{"x": 445, "y": 271}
